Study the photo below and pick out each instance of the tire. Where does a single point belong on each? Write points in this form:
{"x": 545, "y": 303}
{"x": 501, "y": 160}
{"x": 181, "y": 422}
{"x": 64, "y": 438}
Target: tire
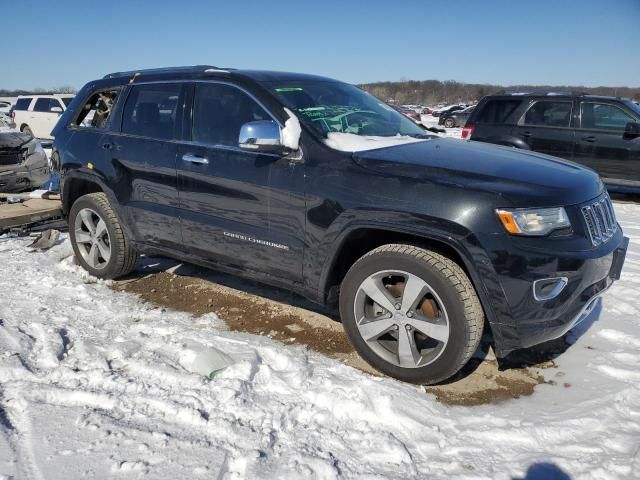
{"x": 90, "y": 246}
{"x": 27, "y": 130}
{"x": 449, "y": 123}
{"x": 450, "y": 307}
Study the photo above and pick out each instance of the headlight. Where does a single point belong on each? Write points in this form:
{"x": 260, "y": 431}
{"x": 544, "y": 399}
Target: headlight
{"x": 534, "y": 221}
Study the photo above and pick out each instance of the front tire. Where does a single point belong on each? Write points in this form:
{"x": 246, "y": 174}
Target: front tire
{"x": 411, "y": 313}
{"x": 98, "y": 240}
{"x": 449, "y": 123}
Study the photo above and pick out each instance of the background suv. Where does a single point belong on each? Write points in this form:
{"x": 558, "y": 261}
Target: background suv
{"x": 313, "y": 185}
{"x": 602, "y": 133}
{"x": 36, "y": 115}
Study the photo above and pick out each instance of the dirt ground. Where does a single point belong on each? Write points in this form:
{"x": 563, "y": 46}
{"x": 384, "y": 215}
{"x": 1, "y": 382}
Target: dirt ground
{"x": 249, "y": 307}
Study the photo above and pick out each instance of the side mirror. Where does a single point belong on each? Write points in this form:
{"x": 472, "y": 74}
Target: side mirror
{"x": 261, "y": 136}
{"x": 56, "y": 110}
{"x": 632, "y": 130}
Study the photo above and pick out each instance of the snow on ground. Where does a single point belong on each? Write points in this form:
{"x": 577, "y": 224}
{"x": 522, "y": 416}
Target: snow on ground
{"x": 431, "y": 121}
{"x": 97, "y": 383}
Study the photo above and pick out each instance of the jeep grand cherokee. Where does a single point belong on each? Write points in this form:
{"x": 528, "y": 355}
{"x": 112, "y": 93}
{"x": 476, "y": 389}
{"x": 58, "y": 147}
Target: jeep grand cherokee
{"x": 313, "y": 185}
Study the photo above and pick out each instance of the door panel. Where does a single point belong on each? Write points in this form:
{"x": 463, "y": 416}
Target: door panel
{"x": 240, "y": 208}
{"x": 602, "y": 146}
{"x": 144, "y": 158}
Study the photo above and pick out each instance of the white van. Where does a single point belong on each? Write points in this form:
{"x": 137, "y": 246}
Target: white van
{"x": 36, "y": 115}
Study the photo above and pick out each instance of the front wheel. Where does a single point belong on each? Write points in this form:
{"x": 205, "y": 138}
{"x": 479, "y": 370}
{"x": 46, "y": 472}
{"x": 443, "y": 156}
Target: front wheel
{"x": 99, "y": 243}
{"x": 411, "y": 313}
{"x": 449, "y": 123}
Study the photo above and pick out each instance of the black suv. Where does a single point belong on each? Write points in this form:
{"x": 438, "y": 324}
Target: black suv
{"x": 602, "y": 133}
{"x": 313, "y": 185}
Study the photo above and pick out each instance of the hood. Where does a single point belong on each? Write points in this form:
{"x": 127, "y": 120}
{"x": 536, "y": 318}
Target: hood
{"x": 12, "y": 140}
{"x": 522, "y": 178}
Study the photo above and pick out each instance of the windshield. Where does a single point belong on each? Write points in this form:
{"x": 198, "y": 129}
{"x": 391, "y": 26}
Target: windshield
{"x": 339, "y": 107}
{"x": 633, "y": 106}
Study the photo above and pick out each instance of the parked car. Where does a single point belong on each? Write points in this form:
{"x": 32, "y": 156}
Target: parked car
{"x": 602, "y": 133}
{"x": 36, "y": 115}
{"x": 5, "y": 107}
{"x": 6, "y": 123}
{"x": 457, "y": 118}
{"x": 315, "y": 186}
{"x": 407, "y": 112}
{"x": 448, "y": 109}
{"x": 23, "y": 163}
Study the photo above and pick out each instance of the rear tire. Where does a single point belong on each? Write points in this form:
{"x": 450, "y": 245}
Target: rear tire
{"x": 422, "y": 335}
{"x": 449, "y": 123}
{"x": 98, "y": 240}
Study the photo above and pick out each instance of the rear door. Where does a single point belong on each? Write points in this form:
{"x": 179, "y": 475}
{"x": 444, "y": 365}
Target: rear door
{"x": 239, "y": 208}
{"x": 601, "y": 144}
{"x": 143, "y": 155}
{"x": 547, "y": 127}
{"x": 41, "y": 118}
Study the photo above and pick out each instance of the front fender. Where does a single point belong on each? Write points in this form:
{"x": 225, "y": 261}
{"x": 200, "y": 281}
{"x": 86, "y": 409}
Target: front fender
{"x": 432, "y": 231}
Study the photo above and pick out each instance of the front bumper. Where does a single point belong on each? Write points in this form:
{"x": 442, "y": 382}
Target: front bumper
{"x": 520, "y": 320}
{"x": 31, "y": 173}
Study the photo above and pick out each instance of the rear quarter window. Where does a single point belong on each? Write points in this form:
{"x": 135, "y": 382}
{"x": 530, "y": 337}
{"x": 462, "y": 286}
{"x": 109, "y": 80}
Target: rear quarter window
{"x": 23, "y": 103}
{"x": 497, "y": 111}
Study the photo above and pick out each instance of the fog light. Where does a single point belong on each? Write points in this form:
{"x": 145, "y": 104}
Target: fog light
{"x": 548, "y": 288}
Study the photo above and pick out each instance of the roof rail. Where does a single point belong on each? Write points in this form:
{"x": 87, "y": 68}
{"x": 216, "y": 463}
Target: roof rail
{"x": 541, "y": 92}
{"x": 191, "y": 68}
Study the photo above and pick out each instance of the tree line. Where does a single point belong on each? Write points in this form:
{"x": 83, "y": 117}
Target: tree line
{"x": 37, "y": 91}
{"x": 433, "y": 92}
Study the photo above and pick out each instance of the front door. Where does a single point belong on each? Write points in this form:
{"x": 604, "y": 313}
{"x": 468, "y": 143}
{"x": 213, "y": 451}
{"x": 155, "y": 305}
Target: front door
{"x": 239, "y": 208}
{"x": 602, "y": 145}
{"x": 546, "y": 128}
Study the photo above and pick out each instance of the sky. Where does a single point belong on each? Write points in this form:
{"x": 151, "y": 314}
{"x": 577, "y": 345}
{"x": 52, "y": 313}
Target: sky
{"x": 49, "y": 44}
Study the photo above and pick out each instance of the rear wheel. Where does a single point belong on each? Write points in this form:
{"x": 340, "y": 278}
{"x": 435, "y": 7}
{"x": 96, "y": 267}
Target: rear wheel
{"x": 449, "y": 123}
{"x": 99, "y": 243}
{"x": 411, "y": 313}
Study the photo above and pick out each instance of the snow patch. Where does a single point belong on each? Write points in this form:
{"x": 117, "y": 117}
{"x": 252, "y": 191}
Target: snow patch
{"x": 349, "y": 142}
{"x": 290, "y": 134}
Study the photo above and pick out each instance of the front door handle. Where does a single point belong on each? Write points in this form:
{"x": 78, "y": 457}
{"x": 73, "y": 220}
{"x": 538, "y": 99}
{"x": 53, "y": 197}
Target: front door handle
{"x": 107, "y": 146}
{"x": 526, "y": 134}
{"x": 589, "y": 139}
{"x": 187, "y": 157}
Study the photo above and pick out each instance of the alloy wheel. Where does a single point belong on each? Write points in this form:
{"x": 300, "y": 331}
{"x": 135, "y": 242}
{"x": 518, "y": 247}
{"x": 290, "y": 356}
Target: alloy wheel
{"x": 92, "y": 238}
{"x": 401, "y": 318}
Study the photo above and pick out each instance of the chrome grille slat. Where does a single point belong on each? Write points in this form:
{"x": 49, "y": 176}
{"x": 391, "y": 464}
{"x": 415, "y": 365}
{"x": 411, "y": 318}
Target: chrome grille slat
{"x": 600, "y": 220}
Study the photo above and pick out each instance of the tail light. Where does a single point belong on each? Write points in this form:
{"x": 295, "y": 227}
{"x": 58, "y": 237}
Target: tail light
{"x": 467, "y": 131}
{"x": 13, "y": 115}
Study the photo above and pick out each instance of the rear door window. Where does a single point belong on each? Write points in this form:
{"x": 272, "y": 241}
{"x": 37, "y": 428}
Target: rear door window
{"x": 219, "y": 111}
{"x": 151, "y": 111}
{"x": 96, "y": 111}
{"x": 43, "y": 105}
{"x": 603, "y": 116}
{"x": 497, "y": 111}
{"x": 23, "y": 103}
{"x": 548, "y": 113}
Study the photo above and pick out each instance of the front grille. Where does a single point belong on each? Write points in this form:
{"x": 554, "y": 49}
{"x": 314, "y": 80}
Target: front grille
{"x": 10, "y": 158}
{"x": 600, "y": 219}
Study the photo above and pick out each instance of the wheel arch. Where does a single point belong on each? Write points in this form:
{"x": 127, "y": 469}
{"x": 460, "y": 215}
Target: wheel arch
{"x": 359, "y": 240}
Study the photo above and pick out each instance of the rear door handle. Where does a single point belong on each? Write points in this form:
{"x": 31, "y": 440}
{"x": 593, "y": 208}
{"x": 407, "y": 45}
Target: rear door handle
{"x": 590, "y": 139}
{"x": 107, "y": 146}
{"x": 526, "y": 134}
{"x": 187, "y": 157}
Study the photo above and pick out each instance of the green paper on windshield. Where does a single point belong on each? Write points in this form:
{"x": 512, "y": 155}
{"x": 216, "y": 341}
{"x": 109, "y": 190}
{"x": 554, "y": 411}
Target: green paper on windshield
{"x": 289, "y": 89}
